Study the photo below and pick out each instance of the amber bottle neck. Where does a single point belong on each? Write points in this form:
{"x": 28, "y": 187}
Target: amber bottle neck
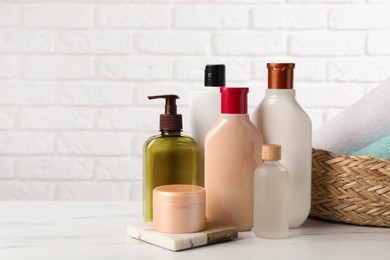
{"x": 170, "y": 133}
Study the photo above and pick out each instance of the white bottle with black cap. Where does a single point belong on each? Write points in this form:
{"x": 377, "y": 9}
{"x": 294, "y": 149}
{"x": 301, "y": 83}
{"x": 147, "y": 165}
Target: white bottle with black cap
{"x": 205, "y": 107}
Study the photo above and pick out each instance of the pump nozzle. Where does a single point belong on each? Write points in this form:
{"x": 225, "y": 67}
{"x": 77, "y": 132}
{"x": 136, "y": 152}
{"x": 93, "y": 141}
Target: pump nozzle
{"x": 170, "y": 120}
{"x": 170, "y": 103}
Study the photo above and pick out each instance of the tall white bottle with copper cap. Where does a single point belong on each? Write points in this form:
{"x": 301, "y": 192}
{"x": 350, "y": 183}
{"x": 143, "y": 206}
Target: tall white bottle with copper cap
{"x": 281, "y": 120}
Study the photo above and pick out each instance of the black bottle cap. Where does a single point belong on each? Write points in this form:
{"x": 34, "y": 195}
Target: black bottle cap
{"x": 214, "y": 75}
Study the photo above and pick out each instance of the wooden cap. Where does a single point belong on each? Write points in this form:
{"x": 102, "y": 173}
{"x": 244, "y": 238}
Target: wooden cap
{"x": 271, "y": 152}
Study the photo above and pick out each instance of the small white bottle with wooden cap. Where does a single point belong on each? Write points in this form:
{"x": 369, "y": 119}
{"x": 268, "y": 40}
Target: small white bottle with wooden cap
{"x": 271, "y": 190}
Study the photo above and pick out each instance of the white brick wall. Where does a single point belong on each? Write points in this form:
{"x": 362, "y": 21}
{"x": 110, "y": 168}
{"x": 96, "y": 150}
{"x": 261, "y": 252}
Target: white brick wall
{"x": 74, "y": 76}
{"x": 209, "y": 16}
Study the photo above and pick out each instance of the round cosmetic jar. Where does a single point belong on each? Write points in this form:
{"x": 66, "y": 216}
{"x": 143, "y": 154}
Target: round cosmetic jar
{"x": 179, "y": 208}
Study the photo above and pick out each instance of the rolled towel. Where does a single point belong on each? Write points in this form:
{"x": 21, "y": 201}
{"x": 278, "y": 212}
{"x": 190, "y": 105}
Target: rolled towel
{"x": 379, "y": 149}
{"x": 363, "y": 123}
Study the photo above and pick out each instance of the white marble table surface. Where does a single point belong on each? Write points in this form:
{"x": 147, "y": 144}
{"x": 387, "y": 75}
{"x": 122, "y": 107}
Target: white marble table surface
{"x": 97, "y": 230}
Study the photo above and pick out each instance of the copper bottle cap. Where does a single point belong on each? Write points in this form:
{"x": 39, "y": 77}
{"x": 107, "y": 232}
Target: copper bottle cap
{"x": 280, "y": 75}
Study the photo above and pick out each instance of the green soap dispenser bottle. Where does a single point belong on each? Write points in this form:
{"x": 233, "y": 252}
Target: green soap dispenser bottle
{"x": 169, "y": 158}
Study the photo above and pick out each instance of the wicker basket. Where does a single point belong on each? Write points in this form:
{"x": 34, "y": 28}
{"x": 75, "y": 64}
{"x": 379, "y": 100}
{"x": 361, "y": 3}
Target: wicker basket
{"x": 351, "y": 189}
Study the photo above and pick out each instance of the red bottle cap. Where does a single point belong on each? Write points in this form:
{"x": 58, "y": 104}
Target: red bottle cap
{"x": 234, "y": 100}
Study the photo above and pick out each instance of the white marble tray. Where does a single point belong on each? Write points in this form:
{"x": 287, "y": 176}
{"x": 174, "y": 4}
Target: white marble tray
{"x": 213, "y": 233}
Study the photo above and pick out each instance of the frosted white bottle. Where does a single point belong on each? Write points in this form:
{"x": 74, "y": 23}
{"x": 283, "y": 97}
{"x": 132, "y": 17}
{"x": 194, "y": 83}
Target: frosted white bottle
{"x": 205, "y": 107}
{"x": 271, "y": 195}
{"x": 281, "y": 120}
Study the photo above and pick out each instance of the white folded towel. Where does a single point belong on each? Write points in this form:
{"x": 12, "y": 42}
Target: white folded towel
{"x": 359, "y": 125}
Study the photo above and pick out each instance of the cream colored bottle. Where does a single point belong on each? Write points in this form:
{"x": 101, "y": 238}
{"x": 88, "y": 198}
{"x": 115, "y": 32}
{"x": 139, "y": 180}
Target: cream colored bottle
{"x": 281, "y": 120}
{"x": 232, "y": 153}
{"x": 271, "y": 195}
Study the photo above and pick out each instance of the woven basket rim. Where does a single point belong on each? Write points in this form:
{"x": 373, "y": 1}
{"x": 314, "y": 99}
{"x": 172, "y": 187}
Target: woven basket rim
{"x": 358, "y": 162}
{"x": 364, "y": 157}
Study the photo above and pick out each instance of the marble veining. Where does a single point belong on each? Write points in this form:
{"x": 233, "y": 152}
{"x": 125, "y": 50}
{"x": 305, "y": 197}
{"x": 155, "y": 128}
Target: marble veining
{"x": 97, "y": 230}
{"x": 175, "y": 242}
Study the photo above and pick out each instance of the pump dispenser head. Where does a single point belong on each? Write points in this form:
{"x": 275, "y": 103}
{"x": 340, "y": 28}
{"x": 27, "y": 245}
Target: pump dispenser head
{"x": 170, "y": 121}
{"x": 214, "y": 75}
{"x": 280, "y": 75}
